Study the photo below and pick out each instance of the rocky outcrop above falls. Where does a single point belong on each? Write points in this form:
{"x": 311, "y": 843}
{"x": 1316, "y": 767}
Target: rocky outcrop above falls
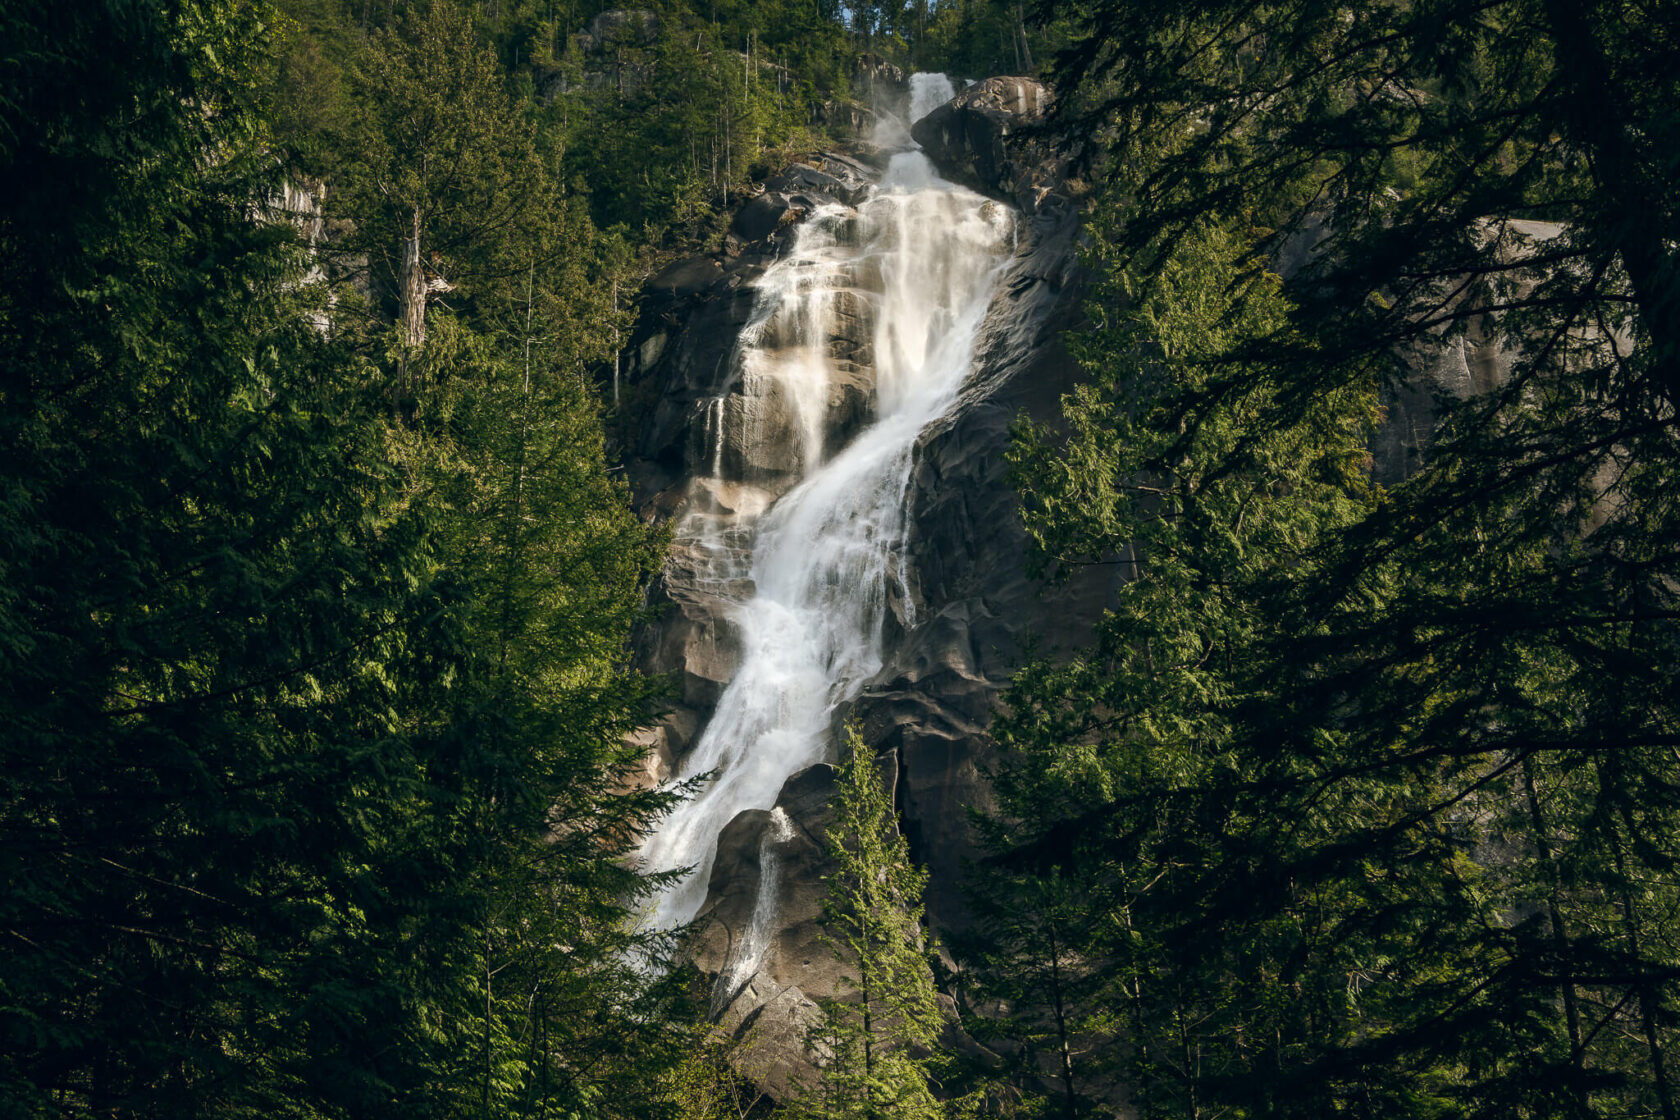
{"x": 990, "y": 137}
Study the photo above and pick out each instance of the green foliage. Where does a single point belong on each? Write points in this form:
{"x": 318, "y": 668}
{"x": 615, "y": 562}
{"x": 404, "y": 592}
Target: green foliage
{"x": 1378, "y": 776}
{"x": 1029, "y": 967}
{"x": 682, "y": 121}
{"x": 1182, "y": 468}
{"x": 313, "y": 798}
{"x": 707, "y": 1085}
{"x": 979, "y": 38}
{"x": 872, "y": 1048}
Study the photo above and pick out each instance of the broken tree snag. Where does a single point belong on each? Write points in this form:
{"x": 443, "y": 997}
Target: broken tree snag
{"x": 416, "y": 284}
{"x": 413, "y": 282}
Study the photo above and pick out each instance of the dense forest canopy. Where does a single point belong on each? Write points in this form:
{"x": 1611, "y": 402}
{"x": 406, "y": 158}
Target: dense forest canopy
{"x": 1362, "y": 802}
{"x": 317, "y": 576}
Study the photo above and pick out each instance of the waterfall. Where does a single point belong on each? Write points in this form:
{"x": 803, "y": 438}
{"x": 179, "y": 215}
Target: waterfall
{"x": 919, "y": 258}
{"x": 756, "y": 939}
{"x": 927, "y": 93}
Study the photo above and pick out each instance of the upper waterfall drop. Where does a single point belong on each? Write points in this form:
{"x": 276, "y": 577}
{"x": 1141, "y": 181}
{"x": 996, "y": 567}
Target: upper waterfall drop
{"x": 927, "y": 93}
{"x": 811, "y": 593}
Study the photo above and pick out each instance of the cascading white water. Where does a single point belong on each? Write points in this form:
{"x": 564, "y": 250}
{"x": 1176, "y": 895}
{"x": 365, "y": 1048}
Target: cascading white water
{"x": 927, "y": 93}
{"x": 756, "y": 939}
{"x": 925, "y": 255}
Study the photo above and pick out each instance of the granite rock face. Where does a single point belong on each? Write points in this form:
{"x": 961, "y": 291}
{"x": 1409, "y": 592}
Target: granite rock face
{"x": 1451, "y": 362}
{"x": 974, "y": 608}
{"x": 1448, "y": 365}
{"x": 712, "y": 440}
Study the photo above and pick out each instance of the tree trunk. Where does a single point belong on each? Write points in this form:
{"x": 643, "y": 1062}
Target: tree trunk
{"x": 411, "y": 317}
{"x": 1070, "y": 1099}
{"x": 1649, "y": 995}
{"x": 1559, "y": 936}
{"x": 1595, "y": 105}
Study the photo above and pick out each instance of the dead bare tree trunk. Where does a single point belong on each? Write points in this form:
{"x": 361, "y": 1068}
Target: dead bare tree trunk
{"x": 412, "y": 315}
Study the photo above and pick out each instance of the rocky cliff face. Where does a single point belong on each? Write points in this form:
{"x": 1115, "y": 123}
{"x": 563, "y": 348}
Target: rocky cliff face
{"x": 717, "y": 446}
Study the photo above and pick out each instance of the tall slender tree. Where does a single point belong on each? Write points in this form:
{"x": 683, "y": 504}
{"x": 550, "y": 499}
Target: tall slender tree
{"x": 873, "y": 1047}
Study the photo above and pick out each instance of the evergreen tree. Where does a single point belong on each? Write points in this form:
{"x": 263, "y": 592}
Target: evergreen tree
{"x": 1363, "y": 759}
{"x": 1117, "y": 766}
{"x": 1029, "y": 965}
{"x": 207, "y": 580}
{"x": 443, "y": 176}
{"x": 313, "y": 799}
{"x": 872, "y": 1047}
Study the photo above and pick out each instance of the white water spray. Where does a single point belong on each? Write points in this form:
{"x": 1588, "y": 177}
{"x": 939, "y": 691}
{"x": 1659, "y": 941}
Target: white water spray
{"x": 749, "y": 954}
{"x": 920, "y": 257}
{"x": 927, "y": 93}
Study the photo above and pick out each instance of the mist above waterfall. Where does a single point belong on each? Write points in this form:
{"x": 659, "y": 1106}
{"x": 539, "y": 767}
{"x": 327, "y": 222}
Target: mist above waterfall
{"x": 927, "y": 93}
{"x": 814, "y": 575}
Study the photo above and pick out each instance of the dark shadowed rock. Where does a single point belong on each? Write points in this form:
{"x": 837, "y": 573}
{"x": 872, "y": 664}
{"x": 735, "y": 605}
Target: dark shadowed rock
{"x": 761, "y": 216}
{"x": 988, "y": 137}
{"x": 975, "y": 609}
{"x": 687, "y": 278}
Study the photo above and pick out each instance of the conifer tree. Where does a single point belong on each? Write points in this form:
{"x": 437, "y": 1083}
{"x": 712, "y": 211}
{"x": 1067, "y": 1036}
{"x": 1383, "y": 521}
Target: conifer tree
{"x": 872, "y": 1047}
{"x": 1378, "y": 824}
{"x": 1029, "y": 963}
{"x": 313, "y": 794}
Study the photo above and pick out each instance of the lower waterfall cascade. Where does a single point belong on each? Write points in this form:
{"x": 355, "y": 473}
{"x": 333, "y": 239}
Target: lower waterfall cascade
{"x": 812, "y": 576}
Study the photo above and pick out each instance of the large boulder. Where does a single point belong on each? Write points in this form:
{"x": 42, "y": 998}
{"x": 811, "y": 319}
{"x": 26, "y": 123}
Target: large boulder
{"x": 761, "y": 933}
{"x": 761, "y": 936}
{"x": 990, "y": 137}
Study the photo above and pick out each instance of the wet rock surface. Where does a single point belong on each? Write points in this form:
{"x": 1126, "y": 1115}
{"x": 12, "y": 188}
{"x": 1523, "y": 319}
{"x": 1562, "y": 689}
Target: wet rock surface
{"x": 975, "y": 609}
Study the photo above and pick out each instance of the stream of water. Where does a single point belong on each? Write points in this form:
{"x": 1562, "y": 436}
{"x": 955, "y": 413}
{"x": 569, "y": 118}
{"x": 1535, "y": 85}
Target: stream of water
{"x": 822, "y": 564}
